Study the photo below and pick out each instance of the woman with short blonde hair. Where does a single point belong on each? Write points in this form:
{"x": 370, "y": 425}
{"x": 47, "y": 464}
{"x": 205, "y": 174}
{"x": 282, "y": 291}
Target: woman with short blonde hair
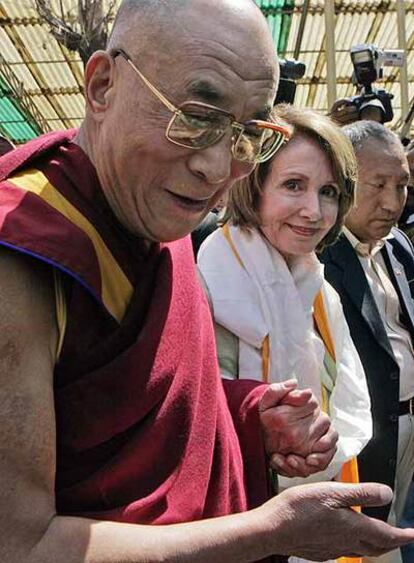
{"x": 243, "y": 199}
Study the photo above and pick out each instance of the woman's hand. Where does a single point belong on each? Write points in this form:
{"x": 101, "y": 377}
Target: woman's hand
{"x": 299, "y": 438}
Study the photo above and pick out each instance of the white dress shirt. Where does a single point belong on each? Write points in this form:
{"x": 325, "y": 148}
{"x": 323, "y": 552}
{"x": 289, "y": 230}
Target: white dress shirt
{"x": 388, "y": 304}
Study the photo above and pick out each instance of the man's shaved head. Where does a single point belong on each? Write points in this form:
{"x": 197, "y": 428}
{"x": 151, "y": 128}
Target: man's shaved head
{"x": 143, "y": 23}
{"x": 158, "y": 12}
{"x": 162, "y": 11}
{"x": 215, "y": 52}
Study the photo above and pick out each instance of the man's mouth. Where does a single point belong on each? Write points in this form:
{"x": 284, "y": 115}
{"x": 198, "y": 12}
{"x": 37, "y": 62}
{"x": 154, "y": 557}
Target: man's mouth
{"x": 188, "y": 203}
{"x": 386, "y": 221}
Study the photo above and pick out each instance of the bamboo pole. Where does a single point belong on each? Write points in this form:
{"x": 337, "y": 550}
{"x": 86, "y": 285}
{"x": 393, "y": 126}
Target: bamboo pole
{"x": 402, "y": 44}
{"x": 330, "y": 51}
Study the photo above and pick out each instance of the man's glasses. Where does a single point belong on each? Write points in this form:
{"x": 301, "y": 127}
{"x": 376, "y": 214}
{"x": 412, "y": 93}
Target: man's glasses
{"x": 196, "y": 125}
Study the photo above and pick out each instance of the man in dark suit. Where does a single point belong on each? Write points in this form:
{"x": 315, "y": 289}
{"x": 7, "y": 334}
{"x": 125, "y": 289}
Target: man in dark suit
{"x": 372, "y": 266}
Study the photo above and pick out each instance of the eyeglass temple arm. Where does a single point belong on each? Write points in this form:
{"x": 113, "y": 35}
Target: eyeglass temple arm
{"x": 286, "y": 132}
{"x": 147, "y": 83}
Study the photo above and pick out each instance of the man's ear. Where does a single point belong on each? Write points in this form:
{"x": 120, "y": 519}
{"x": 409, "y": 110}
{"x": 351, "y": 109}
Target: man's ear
{"x": 99, "y": 77}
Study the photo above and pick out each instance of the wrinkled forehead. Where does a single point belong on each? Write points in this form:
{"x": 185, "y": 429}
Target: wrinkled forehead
{"x": 237, "y": 29}
{"x": 222, "y": 56}
{"x": 233, "y": 82}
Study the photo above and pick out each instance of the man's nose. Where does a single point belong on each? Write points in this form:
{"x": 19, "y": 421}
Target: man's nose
{"x": 215, "y": 164}
{"x": 392, "y": 199}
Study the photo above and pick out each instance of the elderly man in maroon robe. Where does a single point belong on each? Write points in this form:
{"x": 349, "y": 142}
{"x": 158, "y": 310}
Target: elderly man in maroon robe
{"x": 119, "y": 442}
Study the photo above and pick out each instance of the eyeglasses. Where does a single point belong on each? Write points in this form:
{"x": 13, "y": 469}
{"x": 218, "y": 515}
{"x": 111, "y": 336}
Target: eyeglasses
{"x": 196, "y": 125}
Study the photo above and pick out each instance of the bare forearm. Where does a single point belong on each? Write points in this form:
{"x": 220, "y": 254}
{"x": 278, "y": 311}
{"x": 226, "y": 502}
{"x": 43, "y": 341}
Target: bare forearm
{"x": 312, "y": 522}
{"x": 236, "y": 538}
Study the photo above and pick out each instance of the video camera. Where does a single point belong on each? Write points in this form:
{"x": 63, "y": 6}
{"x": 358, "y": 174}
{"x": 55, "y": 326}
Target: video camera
{"x": 368, "y": 61}
{"x": 290, "y": 71}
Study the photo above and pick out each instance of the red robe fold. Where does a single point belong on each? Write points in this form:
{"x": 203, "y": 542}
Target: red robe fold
{"x": 145, "y": 432}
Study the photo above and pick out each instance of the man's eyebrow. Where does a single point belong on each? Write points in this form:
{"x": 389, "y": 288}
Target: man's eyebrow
{"x": 209, "y": 93}
{"x": 206, "y": 91}
{"x": 404, "y": 177}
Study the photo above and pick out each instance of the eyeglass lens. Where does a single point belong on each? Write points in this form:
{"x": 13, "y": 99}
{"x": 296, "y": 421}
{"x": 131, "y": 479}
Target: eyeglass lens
{"x": 257, "y": 144}
{"x": 199, "y": 128}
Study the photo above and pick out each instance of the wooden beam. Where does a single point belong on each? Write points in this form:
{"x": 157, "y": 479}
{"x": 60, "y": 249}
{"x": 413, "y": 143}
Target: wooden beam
{"x": 330, "y": 51}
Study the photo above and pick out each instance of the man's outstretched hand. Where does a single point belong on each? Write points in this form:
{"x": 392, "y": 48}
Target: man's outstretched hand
{"x": 299, "y": 438}
{"x": 317, "y": 522}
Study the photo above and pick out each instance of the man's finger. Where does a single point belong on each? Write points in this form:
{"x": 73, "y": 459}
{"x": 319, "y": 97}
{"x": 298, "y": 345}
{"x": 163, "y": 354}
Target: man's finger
{"x": 299, "y": 467}
{"x": 380, "y": 537}
{"x": 278, "y": 463}
{"x": 326, "y": 442}
{"x": 290, "y": 466}
{"x": 320, "y": 461}
{"x": 364, "y": 494}
{"x": 275, "y": 393}
{"x": 398, "y": 540}
{"x": 293, "y": 466}
{"x": 299, "y": 398}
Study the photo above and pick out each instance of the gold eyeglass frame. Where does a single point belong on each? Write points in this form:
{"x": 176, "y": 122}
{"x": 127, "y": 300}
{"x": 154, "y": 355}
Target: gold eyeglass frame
{"x": 240, "y": 128}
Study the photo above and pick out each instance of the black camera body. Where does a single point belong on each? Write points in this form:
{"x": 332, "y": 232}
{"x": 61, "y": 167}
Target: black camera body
{"x": 376, "y": 97}
{"x": 290, "y": 71}
{"x": 371, "y": 103}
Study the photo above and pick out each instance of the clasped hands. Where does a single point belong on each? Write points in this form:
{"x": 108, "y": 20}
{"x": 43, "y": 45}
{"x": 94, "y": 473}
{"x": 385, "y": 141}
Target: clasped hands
{"x": 298, "y": 436}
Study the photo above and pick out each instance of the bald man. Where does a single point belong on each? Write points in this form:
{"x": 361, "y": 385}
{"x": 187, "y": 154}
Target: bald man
{"x": 118, "y": 441}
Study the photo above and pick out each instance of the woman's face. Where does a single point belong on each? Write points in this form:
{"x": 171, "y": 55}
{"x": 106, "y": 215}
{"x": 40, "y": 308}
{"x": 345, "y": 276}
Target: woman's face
{"x": 299, "y": 203}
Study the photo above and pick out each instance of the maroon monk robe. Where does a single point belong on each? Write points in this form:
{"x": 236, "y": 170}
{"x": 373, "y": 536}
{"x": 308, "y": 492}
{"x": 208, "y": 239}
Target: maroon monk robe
{"x": 144, "y": 430}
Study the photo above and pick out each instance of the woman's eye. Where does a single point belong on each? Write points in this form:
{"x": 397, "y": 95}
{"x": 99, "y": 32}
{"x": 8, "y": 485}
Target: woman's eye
{"x": 330, "y": 192}
{"x": 292, "y": 185}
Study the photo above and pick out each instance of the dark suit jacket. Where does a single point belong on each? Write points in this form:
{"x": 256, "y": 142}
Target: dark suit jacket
{"x": 344, "y": 272}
